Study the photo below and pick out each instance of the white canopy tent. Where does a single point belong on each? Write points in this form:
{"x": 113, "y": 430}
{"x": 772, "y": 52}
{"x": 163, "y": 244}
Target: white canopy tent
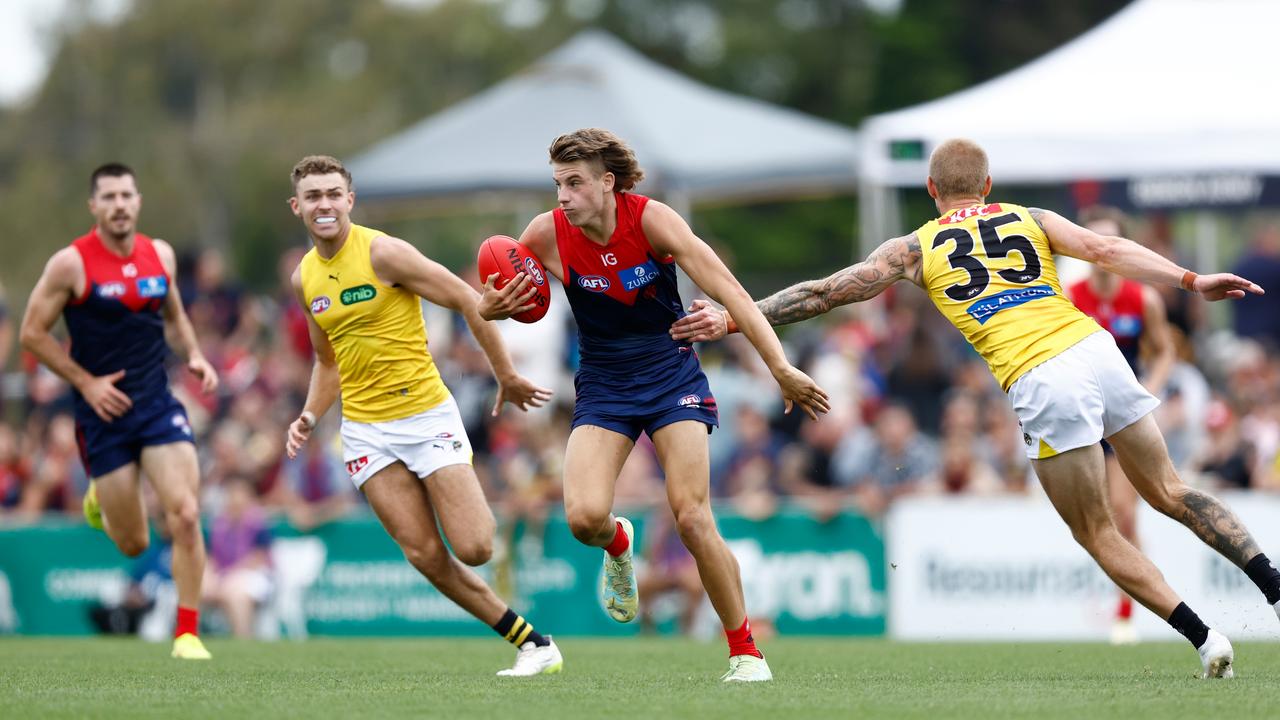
{"x": 694, "y": 142}
{"x": 1162, "y": 88}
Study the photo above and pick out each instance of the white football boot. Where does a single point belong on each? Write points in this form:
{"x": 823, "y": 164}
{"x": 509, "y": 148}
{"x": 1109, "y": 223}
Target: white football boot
{"x": 747, "y": 668}
{"x": 1216, "y": 656}
{"x": 535, "y": 660}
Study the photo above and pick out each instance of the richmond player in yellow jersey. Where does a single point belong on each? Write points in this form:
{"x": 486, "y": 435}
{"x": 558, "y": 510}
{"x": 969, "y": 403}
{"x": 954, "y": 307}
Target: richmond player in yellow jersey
{"x": 403, "y": 440}
{"x": 988, "y": 267}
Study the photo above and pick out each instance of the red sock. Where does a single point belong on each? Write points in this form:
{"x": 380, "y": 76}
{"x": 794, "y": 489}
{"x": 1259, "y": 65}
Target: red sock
{"x": 1124, "y": 610}
{"x": 188, "y": 621}
{"x": 741, "y": 642}
{"x": 620, "y": 541}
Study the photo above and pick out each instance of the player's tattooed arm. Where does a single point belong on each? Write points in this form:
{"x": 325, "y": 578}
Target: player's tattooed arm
{"x": 1217, "y": 526}
{"x": 895, "y": 260}
{"x": 1038, "y": 215}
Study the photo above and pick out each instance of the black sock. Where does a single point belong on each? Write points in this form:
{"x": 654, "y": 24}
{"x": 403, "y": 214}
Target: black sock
{"x": 518, "y": 631}
{"x": 1189, "y": 624}
{"x": 1265, "y": 576}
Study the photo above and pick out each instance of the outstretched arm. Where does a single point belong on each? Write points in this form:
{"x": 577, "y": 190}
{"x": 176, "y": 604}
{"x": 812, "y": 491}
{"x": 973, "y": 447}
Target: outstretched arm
{"x": 399, "y": 263}
{"x": 894, "y": 260}
{"x": 1129, "y": 259}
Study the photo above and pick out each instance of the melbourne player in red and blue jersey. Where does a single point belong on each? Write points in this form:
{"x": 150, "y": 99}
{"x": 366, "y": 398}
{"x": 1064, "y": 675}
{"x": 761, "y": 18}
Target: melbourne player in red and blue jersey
{"x": 616, "y": 254}
{"x": 1134, "y": 315}
{"x": 115, "y": 288}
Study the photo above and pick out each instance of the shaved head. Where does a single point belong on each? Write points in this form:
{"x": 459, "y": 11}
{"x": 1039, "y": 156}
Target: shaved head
{"x": 959, "y": 169}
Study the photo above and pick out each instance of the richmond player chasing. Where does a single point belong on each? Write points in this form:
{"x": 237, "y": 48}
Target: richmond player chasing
{"x": 988, "y": 267}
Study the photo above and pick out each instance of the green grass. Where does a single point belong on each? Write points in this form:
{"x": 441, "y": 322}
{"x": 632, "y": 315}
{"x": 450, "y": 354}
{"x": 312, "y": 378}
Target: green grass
{"x": 626, "y": 678}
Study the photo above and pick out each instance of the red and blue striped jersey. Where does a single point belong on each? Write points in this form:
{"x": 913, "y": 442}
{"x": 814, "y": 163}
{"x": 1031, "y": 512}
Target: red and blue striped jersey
{"x": 623, "y": 294}
{"x": 116, "y": 324}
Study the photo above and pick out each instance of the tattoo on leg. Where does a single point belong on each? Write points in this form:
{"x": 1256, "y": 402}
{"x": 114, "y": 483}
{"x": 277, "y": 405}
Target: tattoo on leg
{"x": 1217, "y": 526}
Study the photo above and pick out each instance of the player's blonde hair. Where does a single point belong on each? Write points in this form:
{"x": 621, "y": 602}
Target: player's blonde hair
{"x": 602, "y": 148}
{"x": 959, "y": 168}
{"x": 319, "y": 165}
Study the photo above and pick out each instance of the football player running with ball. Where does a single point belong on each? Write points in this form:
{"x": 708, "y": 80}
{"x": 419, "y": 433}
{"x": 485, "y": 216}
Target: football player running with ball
{"x": 402, "y": 437}
{"x": 988, "y": 267}
{"x": 616, "y": 254}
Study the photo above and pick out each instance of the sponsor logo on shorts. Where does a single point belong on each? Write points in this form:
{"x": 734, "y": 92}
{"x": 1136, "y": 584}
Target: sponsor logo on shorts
{"x": 320, "y": 304}
{"x": 152, "y": 286}
{"x": 444, "y": 441}
{"x": 355, "y": 466}
{"x": 594, "y": 283}
{"x": 1026, "y": 438}
{"x": 179, "y": 421}
{"x": 688, "y": 400}
{"x": 535, "y": 273}
{"x": 986, "y": 308}
{"x": 357, "y": 294}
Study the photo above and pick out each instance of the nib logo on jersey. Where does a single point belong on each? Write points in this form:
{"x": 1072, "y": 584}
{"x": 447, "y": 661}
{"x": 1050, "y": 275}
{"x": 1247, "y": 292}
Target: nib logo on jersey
{"x": 358, "y": 294}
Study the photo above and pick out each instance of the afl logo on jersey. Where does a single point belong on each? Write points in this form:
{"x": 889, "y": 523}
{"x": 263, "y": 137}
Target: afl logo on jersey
{"x": 320, "y": 304}
{"x": 594, "y": 283}
{"x": 535, "y": 272}
{"x": 111, "y": 290}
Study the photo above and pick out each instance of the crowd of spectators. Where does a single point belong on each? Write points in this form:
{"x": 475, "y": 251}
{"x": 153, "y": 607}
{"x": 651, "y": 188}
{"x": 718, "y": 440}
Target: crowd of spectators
{"x": 914, "y": 409}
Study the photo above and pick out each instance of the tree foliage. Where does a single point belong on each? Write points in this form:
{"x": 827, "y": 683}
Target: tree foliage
{"x": 212, "y": 102}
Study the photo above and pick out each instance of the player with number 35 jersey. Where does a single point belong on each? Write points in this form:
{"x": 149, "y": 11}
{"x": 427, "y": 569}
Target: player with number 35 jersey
{"x": 988, "y": 267}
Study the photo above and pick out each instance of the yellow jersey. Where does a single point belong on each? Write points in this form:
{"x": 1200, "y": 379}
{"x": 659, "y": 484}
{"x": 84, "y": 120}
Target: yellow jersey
{"x": 378, "y": 334}
{"x": 990, "y": 271}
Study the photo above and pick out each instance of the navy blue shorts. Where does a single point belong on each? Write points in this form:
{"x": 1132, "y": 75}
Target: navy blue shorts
{"x": 646, "y": 400}
{"x": 108, "y": 446}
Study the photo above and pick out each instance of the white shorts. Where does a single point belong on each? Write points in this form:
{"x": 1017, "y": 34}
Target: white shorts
{"x": 424, "y": 442}
{"x": 1078, "y": 397}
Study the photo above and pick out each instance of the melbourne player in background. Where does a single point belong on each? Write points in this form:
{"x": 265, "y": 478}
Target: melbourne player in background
{"x": 616, "y": 254}
{"x": 117, "y": 291}
{"x": 1134, "y": 314}
{"x": 989, "y": 268}
{"x": 402, "y": 437}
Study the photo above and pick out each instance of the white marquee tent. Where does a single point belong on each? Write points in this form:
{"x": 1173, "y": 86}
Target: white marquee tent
{"x": 1163, "y": 87}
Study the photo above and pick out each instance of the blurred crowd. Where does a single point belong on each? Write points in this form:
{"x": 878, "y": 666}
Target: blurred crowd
{"x": 914, "y": 411}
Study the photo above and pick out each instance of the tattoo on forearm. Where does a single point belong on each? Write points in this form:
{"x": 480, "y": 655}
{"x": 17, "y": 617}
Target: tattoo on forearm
{"x": 855, "y": 283}
{"x": 1217, "y": 526}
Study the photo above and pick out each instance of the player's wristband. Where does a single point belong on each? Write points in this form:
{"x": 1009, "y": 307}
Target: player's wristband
{"x": 308, "y": 418}
{"x": 729, "y": 325}
{"x": 1189, "y": 281}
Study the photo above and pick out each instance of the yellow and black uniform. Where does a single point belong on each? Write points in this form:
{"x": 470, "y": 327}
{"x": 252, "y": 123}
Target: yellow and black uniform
{"x": 378, "y": 335}
{"x": 990, "y": 271}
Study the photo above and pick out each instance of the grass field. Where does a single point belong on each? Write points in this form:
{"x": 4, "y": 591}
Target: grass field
{"x": 619, "y": 679}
